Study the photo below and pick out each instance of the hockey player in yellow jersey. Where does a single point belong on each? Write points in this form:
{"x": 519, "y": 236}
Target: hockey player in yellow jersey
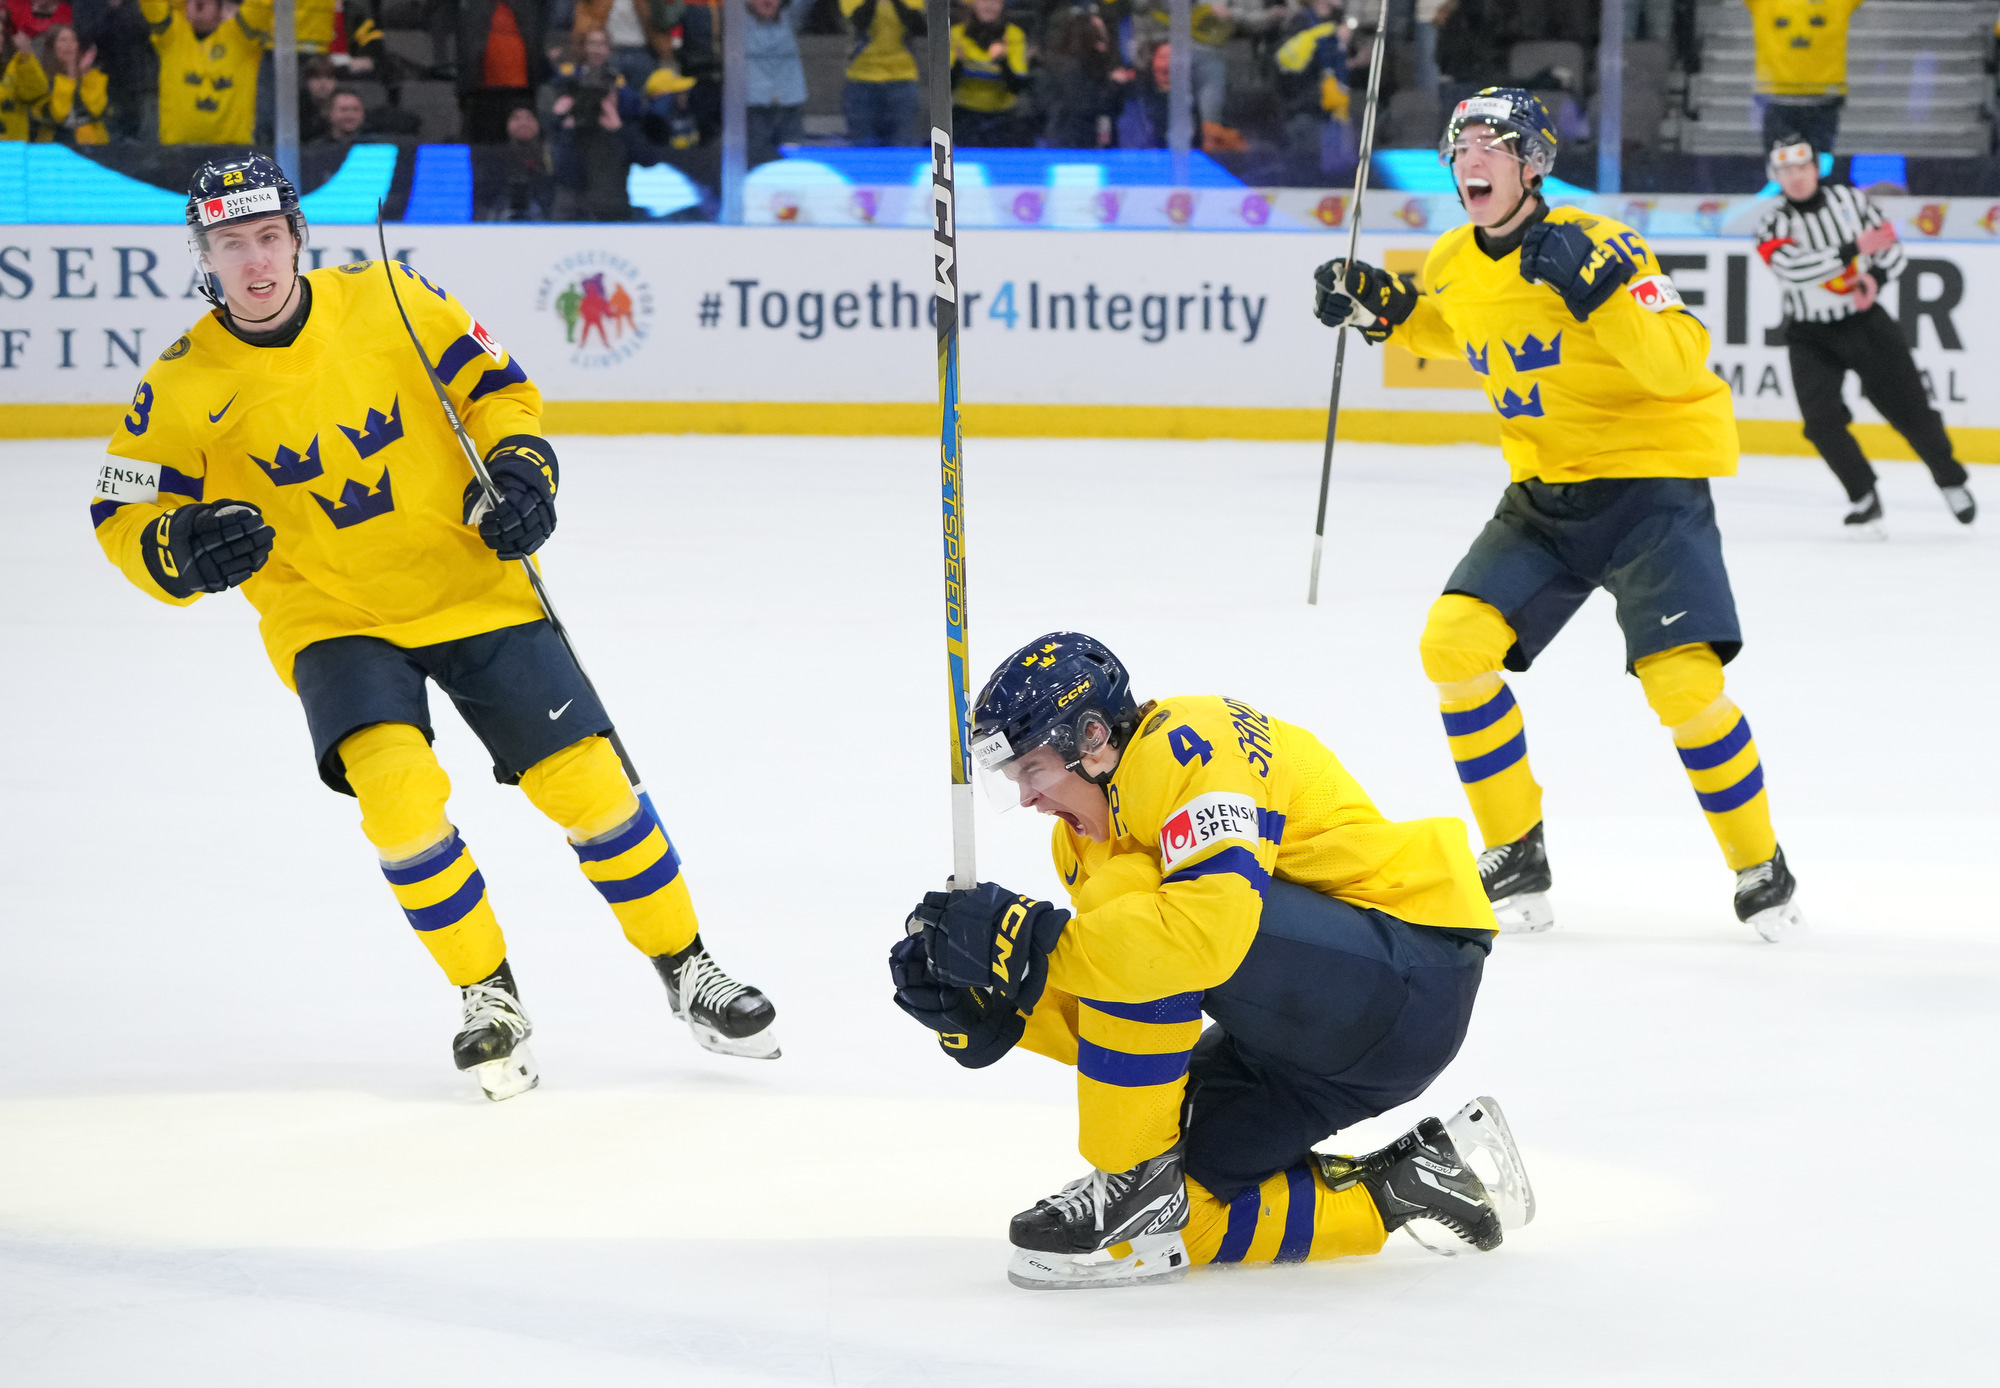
{"x": 1218, "y": 862}
{"x": 1611, "y": 424}
{"x": 291, "y": 443}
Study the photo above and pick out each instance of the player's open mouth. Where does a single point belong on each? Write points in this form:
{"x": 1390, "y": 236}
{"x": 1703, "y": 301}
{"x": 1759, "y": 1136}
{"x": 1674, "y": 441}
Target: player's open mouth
{"x": 1064, "y": 815}
{"x": 1477, "y": 191}
{"x": 263, "y": 289}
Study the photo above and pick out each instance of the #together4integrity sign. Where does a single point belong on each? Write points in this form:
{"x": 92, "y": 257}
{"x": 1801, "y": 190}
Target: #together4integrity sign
{"x": 826, "y": 330}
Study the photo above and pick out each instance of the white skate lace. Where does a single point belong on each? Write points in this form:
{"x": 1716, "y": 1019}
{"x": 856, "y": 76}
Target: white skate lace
{"x": 1094, "y": 1191}
{"x": 487, "y": 1005}
{"x": 1492, "y": 858}
{"x": 1753, "y": 877}
{"x": 704, "y": 983}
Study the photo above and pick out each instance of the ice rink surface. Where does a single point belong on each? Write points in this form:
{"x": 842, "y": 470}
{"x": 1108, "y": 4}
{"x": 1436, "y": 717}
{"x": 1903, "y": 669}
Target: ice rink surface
{"x": 233, "y": 1149}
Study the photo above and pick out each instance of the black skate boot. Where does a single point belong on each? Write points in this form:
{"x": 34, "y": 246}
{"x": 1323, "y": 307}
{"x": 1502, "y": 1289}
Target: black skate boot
{"x": 1963, "y": 507}
{"x": 727, "y": 1017}
{"x": 1517, "y": 881}
{"x": 1420, "y": 1176}
{"x": 1105, "y": 1230}
{"x": 1864, "y": 518}
{"x": 492, "y": 1039}
{"x": 1764, "y": 898}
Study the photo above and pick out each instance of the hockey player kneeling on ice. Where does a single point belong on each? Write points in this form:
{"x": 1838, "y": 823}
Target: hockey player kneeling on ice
{"x": 1219, "y": 862}
{"x": 1612, "y": 424}
{"x": 290, "y": 443}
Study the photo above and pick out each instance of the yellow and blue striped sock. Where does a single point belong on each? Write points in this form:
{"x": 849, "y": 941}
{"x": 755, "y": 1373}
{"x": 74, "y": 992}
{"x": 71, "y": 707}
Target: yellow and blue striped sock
{"x": 1489, "y": 745}
{"x": 1131, "y": 1074}
{"x": 635, "y": 869}
{"x": 1728, "y": 779}
{"x": 443, "y": 894}
{"x": 1291, "y": 1218}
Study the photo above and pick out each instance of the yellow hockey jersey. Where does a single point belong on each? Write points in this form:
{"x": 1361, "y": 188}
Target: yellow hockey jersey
{"x": 1627, "y": 394}
{"x": 22, "y": 84}
{"x": 208, "y": 86}
{"x": 982, "y": 83}
{"x": 338, "y": 438}
{"x": 1210, "y": 801}
{"x": 1801, "y": 45}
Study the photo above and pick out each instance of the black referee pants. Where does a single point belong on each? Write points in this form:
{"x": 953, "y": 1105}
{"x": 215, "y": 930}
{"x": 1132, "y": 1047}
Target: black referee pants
{"x": 1870, "y": 345}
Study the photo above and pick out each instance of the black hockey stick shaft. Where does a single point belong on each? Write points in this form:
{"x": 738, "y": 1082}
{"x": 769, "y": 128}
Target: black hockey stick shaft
{"x": 493, "y": 498}
{"x": 944, "y": 302}
{"x": 1378, "y": 59}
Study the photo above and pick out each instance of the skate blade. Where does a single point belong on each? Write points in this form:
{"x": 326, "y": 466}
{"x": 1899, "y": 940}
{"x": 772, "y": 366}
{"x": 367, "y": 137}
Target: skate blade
{"x": 1486, "y": 1144}
{"x": 761, "y": 1045}
{"x": 1526, "y": 913}
{"x": 1773, "y": 921}
{"x": 1869, "y": 530}
{"x": 508, "y": 1076}
{"x": 1147, "y": 1259}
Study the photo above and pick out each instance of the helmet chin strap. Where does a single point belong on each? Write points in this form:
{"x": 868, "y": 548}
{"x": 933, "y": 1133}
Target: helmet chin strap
{"x": 282, "y": 309}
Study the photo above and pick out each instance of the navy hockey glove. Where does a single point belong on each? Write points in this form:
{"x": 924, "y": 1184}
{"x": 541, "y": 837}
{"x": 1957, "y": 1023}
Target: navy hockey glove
{"x": 524, "y": 473}
{"x": 974, "y": 1028}
{"x": 1371, "y": 300}
{"x": 1585, "y": 272}
{"x": 207, "y": 548}
{"x": 990, "y": 938}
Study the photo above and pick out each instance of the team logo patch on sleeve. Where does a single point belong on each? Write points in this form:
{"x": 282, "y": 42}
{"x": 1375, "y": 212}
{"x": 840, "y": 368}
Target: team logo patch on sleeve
{"x": 1655, "y": 292}
{"x": 1204, "y": 822}
{"x": 127, "y": 480}
{"x": 486, "y": 340}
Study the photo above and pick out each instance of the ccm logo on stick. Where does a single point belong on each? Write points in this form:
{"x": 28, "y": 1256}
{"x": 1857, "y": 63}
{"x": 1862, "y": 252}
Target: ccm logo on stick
{"x": 1204, "y": 822}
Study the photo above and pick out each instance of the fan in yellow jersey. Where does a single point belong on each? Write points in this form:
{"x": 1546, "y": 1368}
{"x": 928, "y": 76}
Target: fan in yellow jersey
{"x": 1612, "y": 424}
{"x": 989, "y": 65}
{"x": 291, "y": 443}
{"x": 1219, "y": 862}
{"x": 208, "y": 69}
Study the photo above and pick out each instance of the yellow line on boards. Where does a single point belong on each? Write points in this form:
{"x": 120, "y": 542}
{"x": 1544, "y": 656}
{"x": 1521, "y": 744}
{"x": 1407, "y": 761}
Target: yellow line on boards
{"x": 1030, "y": 421}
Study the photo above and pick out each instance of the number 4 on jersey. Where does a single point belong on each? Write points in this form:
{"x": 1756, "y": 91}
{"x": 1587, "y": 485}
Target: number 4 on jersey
{"x": 1187, "y": 744}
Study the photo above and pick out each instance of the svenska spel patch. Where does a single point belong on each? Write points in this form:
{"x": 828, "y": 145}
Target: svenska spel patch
{"x": 1475, "y": 106}
{"x": 247, "y": 203}
{"x": 1204, "y": 822}
{"x": 1655, "y": 292}
{"x": 992, "y": 752}
{"x": 485, "y": 339}
{"x": 127, "y": 480}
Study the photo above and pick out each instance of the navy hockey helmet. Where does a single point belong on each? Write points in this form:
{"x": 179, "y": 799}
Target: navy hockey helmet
{"x": 228, "y": 191}
{"x": 1064, "y": 691}
{"x": 1517, "y": 116}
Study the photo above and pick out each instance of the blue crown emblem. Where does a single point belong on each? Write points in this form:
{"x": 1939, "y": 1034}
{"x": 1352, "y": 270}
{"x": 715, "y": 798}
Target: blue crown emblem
{"x": 289, "y": 469}
{"x": 1477, "y": 360}
{"x": 377, "y": 433}
{"x": 358, "y": 503}
{"x": 1510, "y": 405}
{"x": 1532, "y": 356}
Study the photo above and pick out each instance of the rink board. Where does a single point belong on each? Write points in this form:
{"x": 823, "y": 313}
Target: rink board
{"x": 694, "y": 329}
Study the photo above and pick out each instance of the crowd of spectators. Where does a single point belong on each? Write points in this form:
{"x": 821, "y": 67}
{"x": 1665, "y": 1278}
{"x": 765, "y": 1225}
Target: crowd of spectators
{"x": 566, "y": 95}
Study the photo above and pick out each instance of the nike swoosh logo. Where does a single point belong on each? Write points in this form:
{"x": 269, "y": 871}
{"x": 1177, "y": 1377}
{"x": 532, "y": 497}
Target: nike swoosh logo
{"x": 1069, "y": 880}
{"x": 1669, "y": 621}
{"x": 216, "y": 418}
{"x": 556, "y": 713}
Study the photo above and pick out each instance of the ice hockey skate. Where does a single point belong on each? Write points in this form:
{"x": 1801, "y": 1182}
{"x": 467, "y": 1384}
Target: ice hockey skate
{"x": 1517, "y": 881}
{"x": 1764, "y": 898}
{"x": 1430, "y": 1182}
{"x": 1863, "y": 520}
{"x": 727, "y": 1017}
{"x": 1963, "y": 508}
{"x": 1105, "y": 1230}
{"x": 492, "y": 1038}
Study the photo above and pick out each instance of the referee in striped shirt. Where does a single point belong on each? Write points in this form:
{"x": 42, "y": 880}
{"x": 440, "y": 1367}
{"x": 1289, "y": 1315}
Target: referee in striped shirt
{"x": 1834, "y": 252}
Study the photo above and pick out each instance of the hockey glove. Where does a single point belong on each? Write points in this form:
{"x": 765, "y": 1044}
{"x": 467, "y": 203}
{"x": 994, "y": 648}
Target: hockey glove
{"x": 990, "y": 938}
{"x": 1371, "y": 300}
{"x": 207, "y": 548}
{"x": 524, "y": 473}
{"x": 974, "y": 1028}
{"x": 1585, "y": 272}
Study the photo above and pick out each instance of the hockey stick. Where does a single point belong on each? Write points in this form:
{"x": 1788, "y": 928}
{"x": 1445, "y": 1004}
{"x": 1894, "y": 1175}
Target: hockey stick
{"x": 493, "y": 498}
{"x": 944, "y": 300}
{"x": 1376, "y": 62}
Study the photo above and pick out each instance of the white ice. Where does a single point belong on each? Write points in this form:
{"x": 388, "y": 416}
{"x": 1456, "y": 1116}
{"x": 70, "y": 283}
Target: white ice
{"x": 233, "y": 1149}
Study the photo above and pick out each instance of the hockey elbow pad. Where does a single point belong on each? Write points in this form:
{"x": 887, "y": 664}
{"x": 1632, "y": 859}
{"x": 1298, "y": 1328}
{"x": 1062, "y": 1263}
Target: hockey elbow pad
{"x": 1371, "y": 301}
{"x": 1585, "y": 272}
{"x": 206, "y": 548}
{"x": 525, "y": 476}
